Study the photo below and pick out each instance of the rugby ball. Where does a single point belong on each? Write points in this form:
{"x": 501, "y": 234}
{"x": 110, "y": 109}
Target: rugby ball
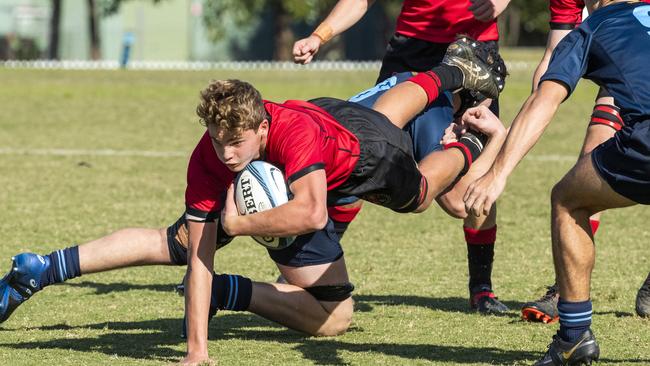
{"x": 259, "y": 187}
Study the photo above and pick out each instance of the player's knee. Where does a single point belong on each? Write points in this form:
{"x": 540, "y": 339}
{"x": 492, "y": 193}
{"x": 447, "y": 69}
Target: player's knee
{"x": 339, "y": 320}
{"x": 558, "y": 195}
{"x": 561, "y": 197}
{"x": 453, "y": 206}
{"x": 337, "y": 302}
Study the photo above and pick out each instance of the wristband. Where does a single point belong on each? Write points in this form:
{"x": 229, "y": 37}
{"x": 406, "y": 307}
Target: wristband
{"x": 324, "y": 32}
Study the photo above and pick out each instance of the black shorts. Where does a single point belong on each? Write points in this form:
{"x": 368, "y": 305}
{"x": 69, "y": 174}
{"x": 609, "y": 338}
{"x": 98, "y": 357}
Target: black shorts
{"x": 624, "y": 162}
{"x": 319, "y": 247}
{"x": 411, "y": 54}
{"x": 178, "y": 239}
{"x": 386, "y": 173}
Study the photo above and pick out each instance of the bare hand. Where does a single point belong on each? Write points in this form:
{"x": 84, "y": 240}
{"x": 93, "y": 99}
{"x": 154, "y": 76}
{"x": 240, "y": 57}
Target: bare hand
{"x": 229, "y": 213}
{"x": 482, "y": 194}
{"x": 487, "y": 10}
{"x": 305, "y": 49}
{"x": 481, "y": 118}
{"x": 452, "y": 133}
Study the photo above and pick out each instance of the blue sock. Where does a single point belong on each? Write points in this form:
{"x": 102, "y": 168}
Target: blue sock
{"x": 64, "y": 265}
{"x": 575, "y": 318}
{"x": 231, "y": 292}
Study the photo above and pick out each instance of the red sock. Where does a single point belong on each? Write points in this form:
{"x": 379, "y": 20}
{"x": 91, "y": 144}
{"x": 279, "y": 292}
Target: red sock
{"x": 430, "y": 82}
{"x": 594, "y": 226}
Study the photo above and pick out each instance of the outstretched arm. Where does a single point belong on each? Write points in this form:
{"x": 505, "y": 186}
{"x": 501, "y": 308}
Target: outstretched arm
{"x": 344, "y": 15}
{"x": 305, "y": 213}
{"x": 525, "y": 131}
{"x": 198, "y": 285}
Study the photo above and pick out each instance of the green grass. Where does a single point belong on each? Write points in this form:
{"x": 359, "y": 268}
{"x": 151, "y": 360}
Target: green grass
{"x": 410, "y": 270}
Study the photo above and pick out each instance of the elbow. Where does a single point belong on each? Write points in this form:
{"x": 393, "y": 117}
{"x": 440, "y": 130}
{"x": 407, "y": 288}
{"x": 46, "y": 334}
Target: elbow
{"x": 317, "y": 219}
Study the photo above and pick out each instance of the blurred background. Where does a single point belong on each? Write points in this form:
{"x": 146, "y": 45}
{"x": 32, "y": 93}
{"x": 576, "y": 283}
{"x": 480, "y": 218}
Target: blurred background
{"x": 212, "y": 30}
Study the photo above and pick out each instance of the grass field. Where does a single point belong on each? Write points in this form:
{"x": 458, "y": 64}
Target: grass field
{"x": 85, "y": 153}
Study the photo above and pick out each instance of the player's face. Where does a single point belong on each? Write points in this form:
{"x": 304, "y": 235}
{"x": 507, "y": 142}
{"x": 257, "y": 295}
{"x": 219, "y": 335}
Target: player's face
{"x": 237, "y": 150}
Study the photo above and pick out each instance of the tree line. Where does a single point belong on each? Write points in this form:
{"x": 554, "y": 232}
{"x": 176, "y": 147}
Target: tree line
{"x": 524, "y": 23}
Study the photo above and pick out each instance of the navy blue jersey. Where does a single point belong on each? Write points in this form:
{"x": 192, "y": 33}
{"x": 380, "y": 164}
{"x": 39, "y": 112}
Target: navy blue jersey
{"x": 612, "y": 48}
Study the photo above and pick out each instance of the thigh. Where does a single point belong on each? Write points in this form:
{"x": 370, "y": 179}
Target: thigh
{"x": 428, "y": 128}
{"x": 314, "y": 249}
{"x": 584, "y": 188}
{"x": 624, "y": 162}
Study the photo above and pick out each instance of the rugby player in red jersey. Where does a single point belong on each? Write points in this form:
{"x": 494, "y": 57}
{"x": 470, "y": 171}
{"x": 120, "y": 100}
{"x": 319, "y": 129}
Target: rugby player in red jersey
{"x": 329, "y": 150}
{"x": 605, "y": 121}
{"x": 423, "y": 32}
{"x": 313, "y": 265}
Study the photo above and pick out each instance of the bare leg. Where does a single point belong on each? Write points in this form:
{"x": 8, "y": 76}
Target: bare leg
{"x": 581, "y": 193}
{"x": 291, "y": 305}
{"x": 124, "y": 248}
{"x": 402, "y": 103}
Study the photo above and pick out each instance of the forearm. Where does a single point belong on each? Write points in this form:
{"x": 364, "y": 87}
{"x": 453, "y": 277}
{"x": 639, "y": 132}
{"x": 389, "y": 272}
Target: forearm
{"x": 198, "y": 284}
{"x": 293, "y": 218}
{"x": 485, "y": 160}
{"x": 525, "y": 131}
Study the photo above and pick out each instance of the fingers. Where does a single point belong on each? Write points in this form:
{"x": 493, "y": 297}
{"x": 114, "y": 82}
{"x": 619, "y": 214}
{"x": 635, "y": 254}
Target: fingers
{"x": 305, "y": 49}
{"x": 476, "y": 199}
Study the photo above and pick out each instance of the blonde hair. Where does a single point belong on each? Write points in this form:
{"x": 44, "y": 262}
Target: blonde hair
{"x": 232, "y": 105}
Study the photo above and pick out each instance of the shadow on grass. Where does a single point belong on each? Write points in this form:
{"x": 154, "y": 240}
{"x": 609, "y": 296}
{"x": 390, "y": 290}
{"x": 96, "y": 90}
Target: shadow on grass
{"x": 364, "y": 303}
{"x": 106, "y": 288}
{"x": 158, "y": 340}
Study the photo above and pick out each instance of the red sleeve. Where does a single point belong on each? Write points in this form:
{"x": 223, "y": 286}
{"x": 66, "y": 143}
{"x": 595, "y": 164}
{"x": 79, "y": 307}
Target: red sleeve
{"x": 296, "y": 144}
{"x": 566, "y": 14}
{"x": 207, "y": 182}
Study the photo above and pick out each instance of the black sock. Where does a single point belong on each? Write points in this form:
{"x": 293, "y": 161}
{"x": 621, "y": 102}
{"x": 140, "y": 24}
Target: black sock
{"x": 451, "y": 78}
{"x": 480, "y": 255}
{"x": 480, "y": 259}
{"x": 231, "y": 292}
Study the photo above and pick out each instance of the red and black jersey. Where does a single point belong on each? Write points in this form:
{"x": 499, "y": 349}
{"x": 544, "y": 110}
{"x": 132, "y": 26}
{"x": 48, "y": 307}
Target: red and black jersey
{"x": 207, "y": 181}
{"x": 566, "y": 14}
{"x": 439, "y": 21}
{"x": 302, "y": 138}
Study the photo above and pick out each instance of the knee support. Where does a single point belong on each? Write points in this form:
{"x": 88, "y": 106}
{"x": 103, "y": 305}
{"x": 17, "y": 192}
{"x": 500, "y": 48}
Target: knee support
{"x": 608, "y": 115}
{"x": 331, "y": 292}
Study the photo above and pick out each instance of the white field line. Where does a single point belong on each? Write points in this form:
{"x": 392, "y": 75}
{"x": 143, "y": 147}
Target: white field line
{"x": 186, "y": 154}
{"x": 99, "y": 152}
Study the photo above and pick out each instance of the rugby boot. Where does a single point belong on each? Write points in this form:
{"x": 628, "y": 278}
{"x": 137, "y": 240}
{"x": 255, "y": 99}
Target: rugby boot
{"x": 21, "y": 282}
{"x": 483, "y": 68}
{"x": 543, "y": 309}
{"x": 643, "y": 299}
{"x": 180, "y": 290}
{"x": 482, "y": 299}
{"x": 581, "y": 352}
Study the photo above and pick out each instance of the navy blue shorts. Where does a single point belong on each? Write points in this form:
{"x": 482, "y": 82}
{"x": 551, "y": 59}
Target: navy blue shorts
{"x": 426, "y": 130}
{"x": 624, "y": 162}
{"x": 320, "y": 247}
